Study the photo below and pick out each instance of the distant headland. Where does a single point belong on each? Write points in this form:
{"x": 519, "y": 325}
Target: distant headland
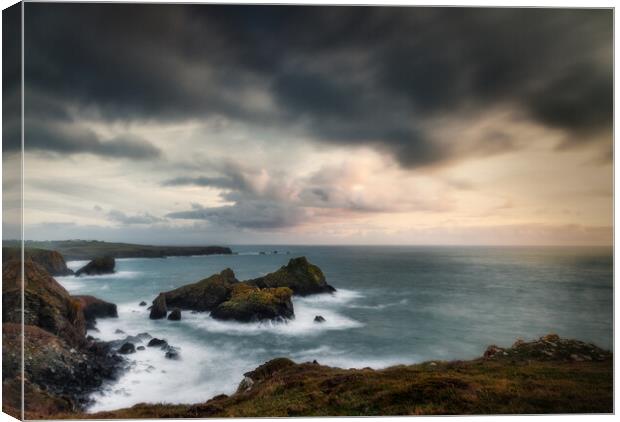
{"x": 90, "y": 249}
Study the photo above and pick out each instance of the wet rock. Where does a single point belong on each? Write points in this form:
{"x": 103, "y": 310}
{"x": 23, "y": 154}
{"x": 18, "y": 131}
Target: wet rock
{"x": 143, "y": 303}
{"x": 127, "y": 348}
{"x": 117, "y": 331}
{"x": 175, "y": 315}
{"x": 157, "y": 342}
{"x": 159, "y": 308}
{"x": 319, "y": 319}
{"x": 172, "y": 353}
{"x": 98, "y": 266}
{"x": 140, "y": 348}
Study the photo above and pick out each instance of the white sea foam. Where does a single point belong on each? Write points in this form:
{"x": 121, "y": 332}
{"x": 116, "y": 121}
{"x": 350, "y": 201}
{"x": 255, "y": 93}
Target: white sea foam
{"x": 302, "y": 325}
{"x": 380, "y": 306}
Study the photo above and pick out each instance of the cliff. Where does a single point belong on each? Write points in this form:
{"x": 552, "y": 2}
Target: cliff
{"x": 52, "y": 261}
{"x": 61, "y": 366}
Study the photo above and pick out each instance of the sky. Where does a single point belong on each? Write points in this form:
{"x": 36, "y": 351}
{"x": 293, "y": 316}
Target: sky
{"x": 198, "y": 124}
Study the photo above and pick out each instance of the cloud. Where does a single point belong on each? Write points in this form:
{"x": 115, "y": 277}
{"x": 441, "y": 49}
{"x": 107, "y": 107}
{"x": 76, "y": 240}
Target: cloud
{"x": 247, "y": 214}
{"x": 121, "y": 217}
{"x": 338, "y": 75}
{"x": 62, "y": 138}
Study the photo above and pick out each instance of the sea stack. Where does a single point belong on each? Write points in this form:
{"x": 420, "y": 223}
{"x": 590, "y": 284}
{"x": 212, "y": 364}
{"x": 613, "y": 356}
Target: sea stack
{"x": 98, "y": 266}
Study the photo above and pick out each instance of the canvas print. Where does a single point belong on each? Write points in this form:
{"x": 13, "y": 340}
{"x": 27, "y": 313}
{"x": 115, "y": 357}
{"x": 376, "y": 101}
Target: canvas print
{"x": 215, "y": 211}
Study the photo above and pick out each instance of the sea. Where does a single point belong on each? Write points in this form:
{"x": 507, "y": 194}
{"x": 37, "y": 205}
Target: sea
{"x": 393, "y": 305}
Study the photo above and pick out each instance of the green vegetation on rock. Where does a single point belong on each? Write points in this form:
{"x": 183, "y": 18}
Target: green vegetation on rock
{"x": 249, "y": 303}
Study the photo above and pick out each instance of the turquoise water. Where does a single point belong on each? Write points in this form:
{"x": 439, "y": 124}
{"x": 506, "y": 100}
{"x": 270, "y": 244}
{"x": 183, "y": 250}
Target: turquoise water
{"x": 393, "y": 305}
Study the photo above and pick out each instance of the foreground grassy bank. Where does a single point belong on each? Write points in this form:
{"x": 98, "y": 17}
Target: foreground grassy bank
{"x": 548, "y": 375}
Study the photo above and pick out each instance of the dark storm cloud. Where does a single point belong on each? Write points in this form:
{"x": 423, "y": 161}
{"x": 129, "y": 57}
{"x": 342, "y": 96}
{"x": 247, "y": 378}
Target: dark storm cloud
{"x": 74, "y": 139}
{"x": 343, "y": 75}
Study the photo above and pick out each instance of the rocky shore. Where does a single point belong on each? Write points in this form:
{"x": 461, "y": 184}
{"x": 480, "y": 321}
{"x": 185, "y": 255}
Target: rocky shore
{"x": 62, "y": 366}
{"x": 547, "y": 375}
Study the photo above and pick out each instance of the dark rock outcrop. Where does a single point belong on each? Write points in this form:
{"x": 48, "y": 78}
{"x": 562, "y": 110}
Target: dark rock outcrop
{"x": 175, "y": 315}
{"x": 52, "y": 261}
{"x": 98, "y": 266}
{"x": 172, "y": 353}
{"x": 155, "y": 342}
{"x": 47, "y": 304}
{"x": 203, "y": 295}
{"x": 127, "y": 348}
{"x": 248, "y": 303}
{"x": 267, "y": 297}
{"x": 159, "y": 308}
{"x": 58, "y": 376}
{"x": 299, "y": 275}
{"x": 94, "y": 308}
{"x": 319, "y": 319}
{"x": 140, "y": 348}
{"x": 143, "y": 303}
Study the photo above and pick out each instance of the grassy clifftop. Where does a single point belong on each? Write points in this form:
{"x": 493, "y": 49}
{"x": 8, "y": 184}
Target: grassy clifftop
{"x": 548, "y": 375}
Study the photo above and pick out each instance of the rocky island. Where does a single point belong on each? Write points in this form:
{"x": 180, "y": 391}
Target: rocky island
{"x": 264, "y": 298}
{"x": 98, "y": 266}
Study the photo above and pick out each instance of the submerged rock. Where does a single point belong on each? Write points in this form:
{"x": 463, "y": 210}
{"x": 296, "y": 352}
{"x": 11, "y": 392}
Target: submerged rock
{"x": 175, "y": 315}
{"x": 127, "y": 348}
{"x": 140, "y": 348}
{"x": 172, "y": 353}
{"x": 159, "y": 308}
{"x": 319, "y": 319}
{"x": 299, "y": 275}
{"x": 248, "y": 303}
{"x": 98, "y": 266}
